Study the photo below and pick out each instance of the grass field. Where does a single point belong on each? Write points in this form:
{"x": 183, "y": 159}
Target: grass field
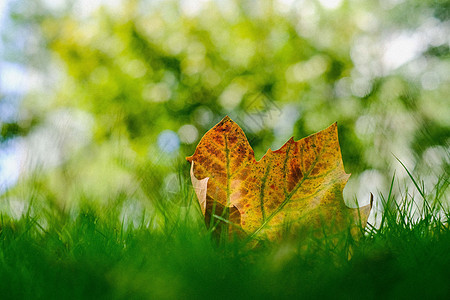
{"x": 94, "y": 253}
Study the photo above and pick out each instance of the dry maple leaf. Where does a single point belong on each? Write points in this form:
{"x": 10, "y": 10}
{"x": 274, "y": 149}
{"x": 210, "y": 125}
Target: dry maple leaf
{"x": 298, "y": 185}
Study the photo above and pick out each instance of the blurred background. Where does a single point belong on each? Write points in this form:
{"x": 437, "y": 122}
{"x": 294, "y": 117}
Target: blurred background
{"x": 100, "y": 101}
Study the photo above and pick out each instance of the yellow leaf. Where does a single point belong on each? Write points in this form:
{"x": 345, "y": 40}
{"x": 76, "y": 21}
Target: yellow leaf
{"x": 298, "y": 185}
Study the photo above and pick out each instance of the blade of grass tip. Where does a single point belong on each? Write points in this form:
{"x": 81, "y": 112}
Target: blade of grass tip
{"x": 29, "y": 224}
{"x": 409, "y": 209}
{"x": 391, "y": 186}
{"x": 359, "y": 215}
{"x": 152, "y": 223}
{"x": 441, "y": 187}
{"x": 361, "y": 228}
{"x": 390, "y": 213}
{"x": 40, "y": 226}
{"x": 142, "y": 225}
{"x": 400, "y": 216}
{"x": 386, "y": 211}
{"x": 30, "y": 204}
{"x": 412, "y": 178}
{"x": 367, "y": 222}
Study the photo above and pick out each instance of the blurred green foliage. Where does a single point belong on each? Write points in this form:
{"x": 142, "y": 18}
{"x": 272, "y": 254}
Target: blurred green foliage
{"x": 115, "y": 78}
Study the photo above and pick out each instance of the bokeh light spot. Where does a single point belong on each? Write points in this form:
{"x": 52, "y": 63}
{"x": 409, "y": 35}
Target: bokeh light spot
{"x": 168, "y": 141}
{"x": 330, "y": 4}
{"x": 188, "y": 133}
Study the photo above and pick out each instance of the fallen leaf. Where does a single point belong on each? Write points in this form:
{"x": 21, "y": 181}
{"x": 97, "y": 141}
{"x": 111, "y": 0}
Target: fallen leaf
{"x": 298, "y": 185}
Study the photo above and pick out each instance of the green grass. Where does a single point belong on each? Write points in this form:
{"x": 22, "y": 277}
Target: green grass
{"x": 95, "y": 253}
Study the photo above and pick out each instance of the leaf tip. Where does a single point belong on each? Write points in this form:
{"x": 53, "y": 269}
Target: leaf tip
{"x": 333, "y": 126}
{"x": 226, "y": 119}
